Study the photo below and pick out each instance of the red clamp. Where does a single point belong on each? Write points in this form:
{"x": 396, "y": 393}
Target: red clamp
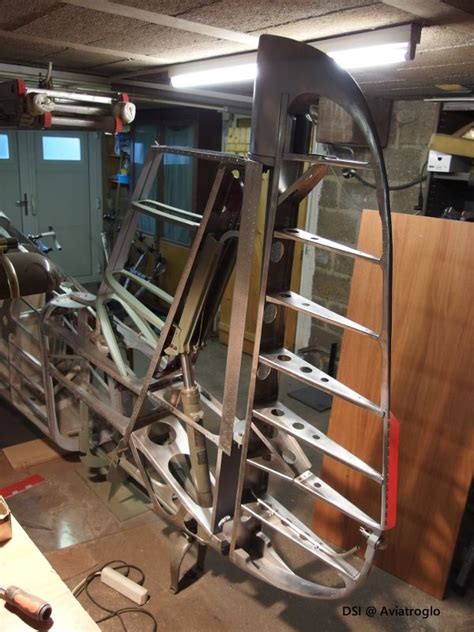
{"x": 47, "y": 120}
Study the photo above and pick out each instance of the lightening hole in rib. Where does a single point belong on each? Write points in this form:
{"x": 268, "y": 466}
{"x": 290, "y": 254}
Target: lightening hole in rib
{"x": 314, "y": 238}
{"x": 263, "y": 371}
{"x": 289, "y": 457}
{"x": 292, "y": 230}
{"x": 303, "y": 536}
{"x": 161, "y": 433}
{"x": 306, "y": 369}
{"x": 298, "y": 425}
{"x": 316, "y": 437}
{"x": 278, "y": 412}
{"x": 269, "y": 313}
{"x": 324, "y": 379}
{"x": 285, "y": 294}
{"x": 284, "y": 358}
{"x": 305, "y": 304}
{"x": 277, "y": 251}
{"x": 317, "y": 484}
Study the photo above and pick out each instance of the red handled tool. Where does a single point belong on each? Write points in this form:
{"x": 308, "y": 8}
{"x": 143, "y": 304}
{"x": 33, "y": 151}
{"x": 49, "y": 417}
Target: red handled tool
{"x": 25, "y": 603}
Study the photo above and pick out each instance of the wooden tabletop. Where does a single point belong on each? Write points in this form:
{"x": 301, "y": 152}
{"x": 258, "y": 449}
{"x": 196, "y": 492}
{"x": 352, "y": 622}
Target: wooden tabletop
{"x": 22, "y": 564}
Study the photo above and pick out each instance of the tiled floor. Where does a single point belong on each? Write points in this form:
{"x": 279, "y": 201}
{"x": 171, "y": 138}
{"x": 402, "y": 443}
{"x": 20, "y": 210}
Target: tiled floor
{"x": 77, "y": 531}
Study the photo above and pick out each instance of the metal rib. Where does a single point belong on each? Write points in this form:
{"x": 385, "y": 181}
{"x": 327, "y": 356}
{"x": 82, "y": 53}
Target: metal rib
{"x": 309, "y": 482}
{"x": 86, "y": 394}
{"x": 301, "y": 304}
{"x": 143, "y": 208}
{"x": 297, "y": 234}
{"x": 289, "y": 363}
{"x": 218, "y": 156}
{"x": 321, "y": 159}
{"x": 281, "y": 417}
{"x": 270, "y": 512}
{"x": 316, "y": 486}
{"x": 171, "y": 208}
{"x": 151, "y": 287}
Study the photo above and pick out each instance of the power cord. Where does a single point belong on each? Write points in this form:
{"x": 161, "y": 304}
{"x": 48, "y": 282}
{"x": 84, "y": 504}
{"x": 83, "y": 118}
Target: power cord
{"x": 84, "y": 585}
{"x": 352, "y": 173}
{"x": 396, "y": 187}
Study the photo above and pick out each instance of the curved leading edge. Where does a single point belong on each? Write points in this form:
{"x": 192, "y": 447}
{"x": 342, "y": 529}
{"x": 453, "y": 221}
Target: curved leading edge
{"x": 291, "y": 78}
{"x": 304, "y": 73}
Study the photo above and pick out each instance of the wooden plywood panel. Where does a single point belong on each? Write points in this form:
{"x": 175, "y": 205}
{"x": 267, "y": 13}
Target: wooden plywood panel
{"x": 432, "y": 395}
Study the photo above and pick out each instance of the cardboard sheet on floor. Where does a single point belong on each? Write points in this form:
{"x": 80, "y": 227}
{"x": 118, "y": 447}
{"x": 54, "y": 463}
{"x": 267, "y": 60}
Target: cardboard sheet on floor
{"x": 30, "y": 453}
{"x": 432, "y": 396}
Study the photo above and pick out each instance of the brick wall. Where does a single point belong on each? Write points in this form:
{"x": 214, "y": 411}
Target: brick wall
{"x": 340, "y": 203}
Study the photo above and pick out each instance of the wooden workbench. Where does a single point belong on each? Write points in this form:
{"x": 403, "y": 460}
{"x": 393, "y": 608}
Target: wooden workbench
{"x": 22, "y": 564}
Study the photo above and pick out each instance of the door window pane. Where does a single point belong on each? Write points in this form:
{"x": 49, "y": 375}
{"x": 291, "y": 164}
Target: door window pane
{"x": 178, "y": 181}
{"x": 4, "y": 148}
{"x": 61, "y": 148}
{"x": 138, "y": 153}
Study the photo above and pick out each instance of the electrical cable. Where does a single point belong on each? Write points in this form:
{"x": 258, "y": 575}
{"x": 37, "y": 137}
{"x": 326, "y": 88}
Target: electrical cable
{"x": 399, "y": 187}
{"x": 352, "y": 173}
{"x": 396, "y": 187}
{"x": 83, "y": 586}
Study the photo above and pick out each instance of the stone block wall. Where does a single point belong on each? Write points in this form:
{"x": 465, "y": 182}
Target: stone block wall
{"x": 339, "y": 209}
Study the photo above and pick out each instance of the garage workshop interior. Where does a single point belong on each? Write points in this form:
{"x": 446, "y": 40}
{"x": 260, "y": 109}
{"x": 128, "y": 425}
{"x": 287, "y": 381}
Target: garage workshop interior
{"x": 236, "y": 315}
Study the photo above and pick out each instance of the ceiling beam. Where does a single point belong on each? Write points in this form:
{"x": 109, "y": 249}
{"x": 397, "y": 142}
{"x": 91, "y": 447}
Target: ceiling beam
{"x": 22, "y": 71}
{"x": 161, "y": 19}
{"x": 436, "y": 12}
{"x": 221, "y": 101}
{"x": 118, "y": 54}
{"x": 196, "y": 92}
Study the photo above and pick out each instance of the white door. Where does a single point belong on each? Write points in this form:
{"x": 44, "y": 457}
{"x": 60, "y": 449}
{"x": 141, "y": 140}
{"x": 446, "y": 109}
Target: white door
{"x": 50, "y": 178}
{"x": 11, "y": 200}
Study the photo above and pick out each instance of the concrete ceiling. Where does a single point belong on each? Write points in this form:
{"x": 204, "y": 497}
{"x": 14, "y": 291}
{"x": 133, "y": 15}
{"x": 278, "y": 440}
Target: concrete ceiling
{"x": 124, "y": 37}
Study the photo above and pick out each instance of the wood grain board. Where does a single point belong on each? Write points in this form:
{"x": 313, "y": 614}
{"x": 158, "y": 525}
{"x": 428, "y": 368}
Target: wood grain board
{"x": 432, "y": 395}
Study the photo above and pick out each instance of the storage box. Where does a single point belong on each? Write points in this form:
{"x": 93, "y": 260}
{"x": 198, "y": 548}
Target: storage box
{"x": 5, "y": 521}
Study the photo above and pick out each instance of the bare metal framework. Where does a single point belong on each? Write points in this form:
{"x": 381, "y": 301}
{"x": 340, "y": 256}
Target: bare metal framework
{"x": 68, "y": 359}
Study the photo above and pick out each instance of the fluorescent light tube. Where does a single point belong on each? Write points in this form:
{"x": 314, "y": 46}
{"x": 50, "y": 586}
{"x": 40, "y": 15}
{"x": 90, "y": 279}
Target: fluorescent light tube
{"x": 223, "y": 74}
{"x": 370, "y": 56}
{"x": 381, "y": 47}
